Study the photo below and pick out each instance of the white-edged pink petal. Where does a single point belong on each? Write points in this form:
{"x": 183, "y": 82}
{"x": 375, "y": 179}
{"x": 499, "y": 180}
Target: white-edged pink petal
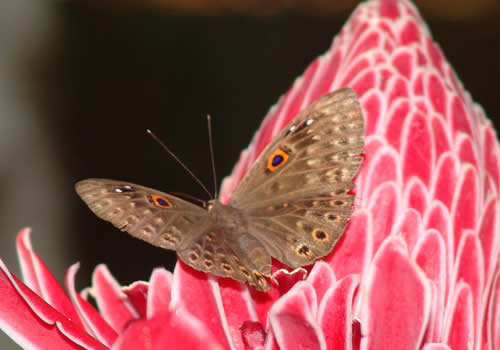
{"x": 470, "y": 269}
{"x": 444, "y": 184}
{"x": 488, "y": 234}
{"x": 417, "y": 195}
{"x": 34, "y": 324}
{"x": 158, "y": 297}
{"x": 353, "y": 250}
{"x": 396, "y": 116}
{"x": 175, "y": 330}
{"x": 39, "y": 278}
{"x": 321, "y": 278}
{"x": 490, "y": 330}
{"x": 113, "y": 304}
{"x": 335, "y": 314}
{"x": 383, "y": 166}
{"x": 91, "y": 319}
{"x": 459, "y": 324}
{"x": 491, "y": 155}
{"x": 136, "y": 294}
{"x": 396, "y": 302}
{"x": 238, "y": 308}
{"x": 193, "y": 291}
{"x": 465, "y": 207}
{"x": 436, "y": 346}
{"x": 430, "y": 255}
{"x": 384, "y": 206}
{"x": 284, "y": 280}
{"x": 409, "y": 227}
{"x": 293, "y": 319}
{"x": 417, "y": 148}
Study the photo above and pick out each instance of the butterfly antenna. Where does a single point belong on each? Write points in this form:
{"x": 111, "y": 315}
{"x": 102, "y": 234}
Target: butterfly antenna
{"x": 179, "y": 161}
{"x": 212, "y": 157}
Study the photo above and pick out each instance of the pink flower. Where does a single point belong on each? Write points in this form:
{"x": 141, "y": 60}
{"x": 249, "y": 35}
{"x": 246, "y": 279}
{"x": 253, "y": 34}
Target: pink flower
{"x": 418, "y": 266}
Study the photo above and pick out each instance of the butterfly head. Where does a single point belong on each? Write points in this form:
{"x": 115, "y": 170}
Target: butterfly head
{"x": 215, "y": 206}
{"x": 224, "y": 214}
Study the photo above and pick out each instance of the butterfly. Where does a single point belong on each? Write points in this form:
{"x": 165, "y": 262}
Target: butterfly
{"x": 293, "y": 204}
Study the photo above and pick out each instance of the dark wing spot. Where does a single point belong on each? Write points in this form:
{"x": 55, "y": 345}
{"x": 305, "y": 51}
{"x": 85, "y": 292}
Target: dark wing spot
{"x": 210, "y": 236}
{"x": 333, "y": 217}
{"x": 320, "y": 235}
{"x": 193, "y": 257}
{"x": 304, "y": 251}
{"x": 161, "y": 201}
{"x": 244, "y": 271}
{"x": 277, "y": 159}
{"x": 227, "y": 268}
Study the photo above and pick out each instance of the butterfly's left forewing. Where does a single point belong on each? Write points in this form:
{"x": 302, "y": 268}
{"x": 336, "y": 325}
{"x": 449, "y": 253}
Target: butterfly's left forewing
{"x": 296, "y": 195}
{"x": 153, "y": 216}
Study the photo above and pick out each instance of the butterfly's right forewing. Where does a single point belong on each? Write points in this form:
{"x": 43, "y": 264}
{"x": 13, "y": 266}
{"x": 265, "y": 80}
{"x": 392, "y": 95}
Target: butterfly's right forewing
{"x": 296, "y": 196}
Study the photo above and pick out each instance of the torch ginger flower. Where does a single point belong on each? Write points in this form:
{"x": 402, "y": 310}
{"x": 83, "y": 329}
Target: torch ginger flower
{"x": 417, "y": 268}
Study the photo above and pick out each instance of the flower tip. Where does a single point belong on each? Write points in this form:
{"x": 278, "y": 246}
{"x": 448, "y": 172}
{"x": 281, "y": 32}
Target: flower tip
{"x": 23, "y": 237}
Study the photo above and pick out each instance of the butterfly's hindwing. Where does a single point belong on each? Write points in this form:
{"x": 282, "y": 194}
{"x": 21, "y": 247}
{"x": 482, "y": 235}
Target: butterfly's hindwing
{"x": 229, "y": 254}
{"x": 300, "y": 231}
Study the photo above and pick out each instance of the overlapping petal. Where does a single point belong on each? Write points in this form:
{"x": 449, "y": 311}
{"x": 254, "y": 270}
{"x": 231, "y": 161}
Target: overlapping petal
{"x": 417, "y": 268}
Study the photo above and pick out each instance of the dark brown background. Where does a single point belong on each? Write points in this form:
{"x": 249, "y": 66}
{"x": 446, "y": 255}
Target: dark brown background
{"x": 80, "y": 82}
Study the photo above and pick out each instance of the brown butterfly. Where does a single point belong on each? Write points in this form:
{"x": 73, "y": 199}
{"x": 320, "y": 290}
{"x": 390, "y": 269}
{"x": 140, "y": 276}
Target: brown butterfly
{"x": 292, "y": 205}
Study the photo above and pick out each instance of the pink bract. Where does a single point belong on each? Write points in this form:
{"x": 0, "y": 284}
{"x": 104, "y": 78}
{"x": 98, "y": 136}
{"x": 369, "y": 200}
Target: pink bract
{"x": 417, "y": 268}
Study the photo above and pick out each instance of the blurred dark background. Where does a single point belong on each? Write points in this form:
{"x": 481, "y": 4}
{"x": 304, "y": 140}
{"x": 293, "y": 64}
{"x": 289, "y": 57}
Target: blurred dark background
{"x": 81, "y": 81}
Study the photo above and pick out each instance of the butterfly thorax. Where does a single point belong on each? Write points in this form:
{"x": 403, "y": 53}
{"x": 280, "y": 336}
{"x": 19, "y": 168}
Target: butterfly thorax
{"x": 225, "y": 215}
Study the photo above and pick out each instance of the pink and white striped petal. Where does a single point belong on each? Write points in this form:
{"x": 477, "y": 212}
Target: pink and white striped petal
{"x": 436, "y": 346}
{"x": 159, "y": 292}
{"x": 293, "y": 319}
{"x": 33, "y": 323}
{"x": 113, "y": 304}
{"x": 200, "y": 296}
{"x": 39, "y": 278}
{"x": 335, "y": 314}
{"x": 92, "y": 320}
{"x": 459, "y": 325}
{"x": 136, "y": 295}
{"x": 353, "y": 251}
{"x": 321, "y": 278}
{"x": 396, "y": 302}
{"x": 175, "y": 330}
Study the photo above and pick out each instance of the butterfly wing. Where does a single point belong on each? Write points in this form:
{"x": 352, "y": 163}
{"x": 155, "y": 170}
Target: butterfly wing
{"x": 296, "y": 196}
{"x": 172, "y": 223}
{"x": 229, "y": 253}
{"x": 155, "y": 217}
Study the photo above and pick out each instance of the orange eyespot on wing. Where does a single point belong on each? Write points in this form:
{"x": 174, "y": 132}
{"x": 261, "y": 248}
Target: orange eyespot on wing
{"x": 277, "y": 159}
{"x": 161, "y": 201}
